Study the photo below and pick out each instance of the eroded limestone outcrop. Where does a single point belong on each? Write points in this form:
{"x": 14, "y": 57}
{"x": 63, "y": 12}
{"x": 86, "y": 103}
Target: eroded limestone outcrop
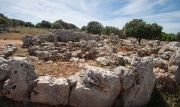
{"x": 8, "y": 50}
{"x": 137, "y": 82}
{"x": 21, "y": 79}
{"x": 167, "y": 66}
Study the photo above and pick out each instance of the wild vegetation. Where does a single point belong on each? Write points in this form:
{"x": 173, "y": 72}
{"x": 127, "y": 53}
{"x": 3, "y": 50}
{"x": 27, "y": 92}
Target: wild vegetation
{"x": 136, "y": 28}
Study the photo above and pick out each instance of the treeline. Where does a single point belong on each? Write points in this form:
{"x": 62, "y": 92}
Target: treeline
{"x": 95, "y": 27}
{"x": 136, "y": 28}
{"x": 59, "y": 24}
{"x": 169, "y": 37}
{"x": 141, "y": 30}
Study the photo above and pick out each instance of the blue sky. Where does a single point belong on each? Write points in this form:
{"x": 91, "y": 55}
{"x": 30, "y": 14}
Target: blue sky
{"x": 108, "y": 12}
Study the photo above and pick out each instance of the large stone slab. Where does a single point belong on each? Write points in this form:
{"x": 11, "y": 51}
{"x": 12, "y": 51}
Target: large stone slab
{"x": 96, "y": 88}
{"x": 144, "y": 82}
{"x": 137, "y": 82}
{"x": 53, "y": 92}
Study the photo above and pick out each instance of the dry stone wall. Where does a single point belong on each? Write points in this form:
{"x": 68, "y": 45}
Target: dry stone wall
{"x": 57, "y": 35}
{"x": 88, "y": 88}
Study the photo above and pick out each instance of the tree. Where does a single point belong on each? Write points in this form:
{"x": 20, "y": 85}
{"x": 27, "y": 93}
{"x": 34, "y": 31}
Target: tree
{"x": 28, "y": 24}
{"x": 156, "y": 30}
{"x": 60, "y": 24}
{"x": 45, "y": 24}
{"x": 136, "y": 28}
{"x": 110, "y": 29}
{"x": 3, "y": 19}
{"x": 38, "y": 25}
{"x": 167, "y": 37}
{"x": 72, "y": 26}
{"x": 94, "y": 27}
{"x": 178, "y": 36}
{"x": 57, "y": 24}
{"x": 83, "y": 28}
{"x": 139, "y": 29}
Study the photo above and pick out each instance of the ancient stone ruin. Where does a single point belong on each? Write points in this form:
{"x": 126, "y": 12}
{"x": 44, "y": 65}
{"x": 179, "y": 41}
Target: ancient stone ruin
{"x": 87, "y": 88}
{"x": 125, "y": 76}
{"x": 8, "y": 50}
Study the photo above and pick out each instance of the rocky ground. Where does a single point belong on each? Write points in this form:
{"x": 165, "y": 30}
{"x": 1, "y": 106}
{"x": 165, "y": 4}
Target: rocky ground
{"x": 117, "y": 71}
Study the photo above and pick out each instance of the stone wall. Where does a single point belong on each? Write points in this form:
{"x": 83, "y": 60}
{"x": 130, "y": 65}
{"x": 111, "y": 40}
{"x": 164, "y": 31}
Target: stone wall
{"x": 59, "y": 35}
{"x": 91, "y": 87}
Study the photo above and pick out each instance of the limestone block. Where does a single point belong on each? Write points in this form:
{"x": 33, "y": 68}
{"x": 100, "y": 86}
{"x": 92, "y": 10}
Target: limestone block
{"x": 4, "y": 69}
{"x": 174, "y": 65}
{"x": 97, "y": 88}
{"x": 22, "y": 76}
{"x": 126, "y": 75}
{"x": 140, "y": 93}
{"x": 103, "y": 60}
{"x": 53, "y": 92}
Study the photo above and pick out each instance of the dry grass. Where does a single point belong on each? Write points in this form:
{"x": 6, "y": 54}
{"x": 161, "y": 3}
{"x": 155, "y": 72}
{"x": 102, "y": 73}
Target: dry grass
{"x": 96, "y": 64}
{"x": 122, "y": 50}
{"x": 21, "y": 52}
{"x": 57, "y": 69}
{"x": 23, "y": 31}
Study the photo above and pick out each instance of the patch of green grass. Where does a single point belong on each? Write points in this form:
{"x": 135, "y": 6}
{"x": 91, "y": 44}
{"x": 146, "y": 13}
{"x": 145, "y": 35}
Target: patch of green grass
{"x": 161, "y": 98}
{"x": 157, "y": 99}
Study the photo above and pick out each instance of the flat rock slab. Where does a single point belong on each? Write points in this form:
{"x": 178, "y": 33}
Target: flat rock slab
{"x": 48, "y": 91}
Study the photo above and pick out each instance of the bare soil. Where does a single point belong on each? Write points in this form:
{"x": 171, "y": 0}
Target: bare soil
{"x": 15, "y": 42}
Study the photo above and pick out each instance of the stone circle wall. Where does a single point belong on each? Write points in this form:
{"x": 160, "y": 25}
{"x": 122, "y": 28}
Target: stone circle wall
{"x": 87, "y": 88}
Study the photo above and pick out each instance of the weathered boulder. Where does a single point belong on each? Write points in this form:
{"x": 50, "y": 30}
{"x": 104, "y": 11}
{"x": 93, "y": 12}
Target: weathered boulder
{"x": 161, "y": 63}
{"x": 95, "y": 86}
{"x": 165, "y": 80}
{"x": 121, "y": 42}
{"x": 166, "y": 55}
{"x": 32, "y": 49}
{"x": 49, "y": 91}
{"x": 83, "y": 48}
{"x": 126, "y": 75}
{"x": 9, "y": 49}
{"x": 21, "y": 80}
{"x": 138, "y": 82}
{"x": 67, "y": 55}
{"x": 156, "y": 43}
{"x": 172, "y": 46}
{"x": 92, "y": 53}
{"x": 28, "y": 40}
{"x": 103, "y": 60}
{"x": 4, "y": 69}
{"x": 42, "y": 54}
{"x": 4, "y": 73}
{"x": 174, "y": 65}
{"x": 118, "y": 59}
{"x": 56, "y": 40}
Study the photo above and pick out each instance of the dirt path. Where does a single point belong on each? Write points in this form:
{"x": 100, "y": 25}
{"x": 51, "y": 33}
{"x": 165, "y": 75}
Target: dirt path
{"x": 15, "y": 42}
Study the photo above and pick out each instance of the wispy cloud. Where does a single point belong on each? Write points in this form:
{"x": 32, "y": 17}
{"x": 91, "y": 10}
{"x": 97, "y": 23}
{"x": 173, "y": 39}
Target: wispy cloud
{"x": 139, "y": 7}
{"x": 108, "y": 12}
